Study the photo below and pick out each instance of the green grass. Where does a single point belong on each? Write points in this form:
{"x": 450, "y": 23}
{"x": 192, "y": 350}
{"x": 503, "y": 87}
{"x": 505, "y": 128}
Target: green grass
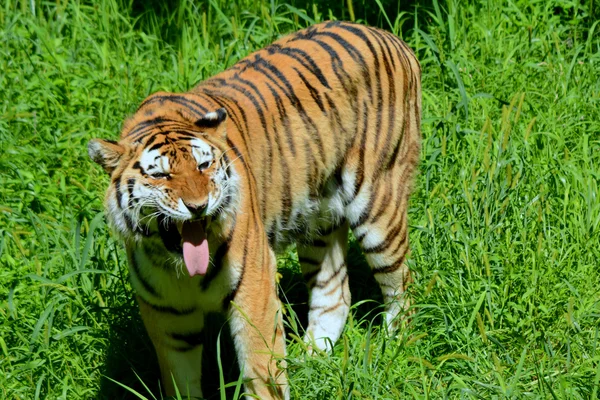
{"x": 505, "y": 216}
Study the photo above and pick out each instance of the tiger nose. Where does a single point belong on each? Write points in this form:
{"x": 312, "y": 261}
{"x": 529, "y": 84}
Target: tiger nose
{"x": 197, "y": 210}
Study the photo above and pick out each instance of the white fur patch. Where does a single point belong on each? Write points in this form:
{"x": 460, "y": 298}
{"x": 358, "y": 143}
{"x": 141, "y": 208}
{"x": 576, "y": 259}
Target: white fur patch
{"x": 373, "y": 238}
{"x": 348, "y": 183}
{"x": 336, "y": 206}
{"x": 379, "y": 259}
{"x": 183, "y": 209}
{"x": 153, "y": 162}
{"x": 201, "y": 151}
{"x": 355, "y": 209}
{"x": 211, "y": 116}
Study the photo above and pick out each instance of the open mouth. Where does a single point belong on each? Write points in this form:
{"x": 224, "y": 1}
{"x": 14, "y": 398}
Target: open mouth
{"x": 189, "y": 240}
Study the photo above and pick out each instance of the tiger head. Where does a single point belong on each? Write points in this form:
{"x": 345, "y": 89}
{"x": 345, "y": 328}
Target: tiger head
{"x": 171, "y": 175}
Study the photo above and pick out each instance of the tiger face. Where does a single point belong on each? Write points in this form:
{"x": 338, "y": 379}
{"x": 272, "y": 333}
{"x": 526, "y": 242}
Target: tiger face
{"x": 174, "y": 183}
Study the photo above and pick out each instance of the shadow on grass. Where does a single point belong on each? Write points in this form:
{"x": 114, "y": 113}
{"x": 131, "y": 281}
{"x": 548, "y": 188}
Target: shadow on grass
{"x": 131, "y": 351}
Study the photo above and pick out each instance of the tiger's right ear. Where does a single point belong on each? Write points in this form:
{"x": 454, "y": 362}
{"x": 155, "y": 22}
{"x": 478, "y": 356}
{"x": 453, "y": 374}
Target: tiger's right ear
{"x": 214, "y": 120}
{"x": 107, "y": 153}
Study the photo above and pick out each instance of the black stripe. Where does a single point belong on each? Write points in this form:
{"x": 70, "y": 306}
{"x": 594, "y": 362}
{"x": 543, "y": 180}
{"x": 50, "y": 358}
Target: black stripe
{"x": 147, "y": 123}
{"x": 383, "y": 41}
{"x": 266, "y": 172}
{"x": 231, "y": 296}
{"x": 308, "y": 260}
{"x": 361, "y": 155}
{"x": 154, "y": 130}
{"x": 322, "y": 284}
{"x": 261, "y": 114}
{"x": 391, "y": 101}
{"x": 386, "y": 269}
{"x": 384, "y": 204}
{"x": 185, "y": 134}
{"x": 227, "y": 163}
{"x": 130, "y": 185}
{"x": 375, "y": 58}
{"x": 151, "y": 140}
{"x": 332, "y": 228}
{"x": 319, "y": 243}
{"x": 209, "y": 123}
{"x": 338, "y": 68}
{"x": 119, "y": 194}
{"x": 136, "y": 269}
{"x": 226, "y": 103}
{"x": 392, "y": 220}
{"x": 401, "y": 243}
{"x": 194, "y": 106}
{"x": 326, "y": 309}
{"x": 303, "y": 58}
{"x": 354, "y": 53}
{"x": 365, "y": 213}
{"x": 191, "y": 339}
{"x": 167, "y": 309}
{"x": 138, "y": 166}
{"x": 158, "y": 145}
{"x": 271, "y": 235}
{"x": 313, "y": 178}
{"x": 283, "y": 120}
{"x": 261, "y": 65}
{"x": 242, "y": 132}
{"x": 308, "y": 276}
{"x": 239, "y": 157}
{"x": 384, "y": 244}
{"x": 340, "y": 149}
{"x": 128, "y": 221}
{"x": 286, "y": 199}
{"x": 286, "y": 195}
{"x": 394, "y": 153}
{"x": 314, "y": 93}
{"x": 253, "y": 100}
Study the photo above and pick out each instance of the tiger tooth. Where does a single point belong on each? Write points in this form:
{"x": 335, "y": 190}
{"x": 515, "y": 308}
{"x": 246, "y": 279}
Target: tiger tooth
{"x": 179, "y": 225}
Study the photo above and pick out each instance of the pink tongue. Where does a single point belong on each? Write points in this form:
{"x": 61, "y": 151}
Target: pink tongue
{"x": 195, "y": 248}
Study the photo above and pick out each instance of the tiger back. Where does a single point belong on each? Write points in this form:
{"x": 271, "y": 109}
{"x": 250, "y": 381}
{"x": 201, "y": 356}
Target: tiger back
{"x": 312, "y": 136}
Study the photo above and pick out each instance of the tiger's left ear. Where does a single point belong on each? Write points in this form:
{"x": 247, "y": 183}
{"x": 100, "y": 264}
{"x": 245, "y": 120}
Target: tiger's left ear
{"x": 107, "y": 153}
{"x": 214, "y": 120}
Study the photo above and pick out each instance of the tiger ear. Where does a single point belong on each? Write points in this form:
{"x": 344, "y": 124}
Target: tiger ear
{"x": 214, "y": 120}
{"x": 107, "y": 153}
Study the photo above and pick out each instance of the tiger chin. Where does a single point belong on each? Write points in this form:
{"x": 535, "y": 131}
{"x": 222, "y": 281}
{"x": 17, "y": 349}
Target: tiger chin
{"x": 313, "y": 136}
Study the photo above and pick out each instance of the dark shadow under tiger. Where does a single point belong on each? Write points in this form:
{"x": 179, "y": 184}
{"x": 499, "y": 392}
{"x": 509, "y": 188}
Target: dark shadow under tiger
{"x": 314, "y": 135}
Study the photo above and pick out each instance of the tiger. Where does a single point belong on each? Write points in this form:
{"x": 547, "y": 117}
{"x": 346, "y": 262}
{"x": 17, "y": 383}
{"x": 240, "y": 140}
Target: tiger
{"x": 301, "y": 142}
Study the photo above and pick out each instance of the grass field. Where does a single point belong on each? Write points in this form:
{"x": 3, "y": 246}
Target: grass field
{"x": 505, "y": 216}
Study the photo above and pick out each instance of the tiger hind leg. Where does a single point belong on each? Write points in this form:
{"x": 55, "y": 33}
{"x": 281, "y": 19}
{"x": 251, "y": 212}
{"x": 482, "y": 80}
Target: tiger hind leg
{"x": 323, "y": 264}
{"x": 381, "y": 229}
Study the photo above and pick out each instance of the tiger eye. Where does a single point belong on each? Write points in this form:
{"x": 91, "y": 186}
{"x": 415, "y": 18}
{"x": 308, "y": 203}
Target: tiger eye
{"x": 160, "y": 175}
{"x": 204, "y": 165}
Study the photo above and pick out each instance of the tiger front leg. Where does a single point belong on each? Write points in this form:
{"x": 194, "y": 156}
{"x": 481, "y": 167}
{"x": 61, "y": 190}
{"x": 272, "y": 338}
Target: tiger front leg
{"x": 257, "y": 330}
{"x": 177, "y": 337}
